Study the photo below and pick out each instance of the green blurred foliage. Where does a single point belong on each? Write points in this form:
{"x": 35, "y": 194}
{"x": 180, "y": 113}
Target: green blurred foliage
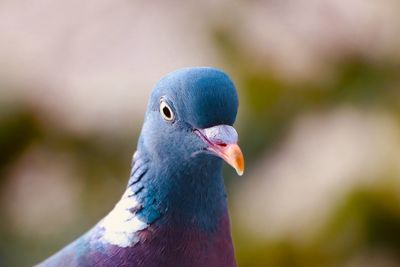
{"x": 18, "y": 128}
{"x": 100, "y": 160}
{"x": 275, "y": 102}
{"x": 369, "y": 218}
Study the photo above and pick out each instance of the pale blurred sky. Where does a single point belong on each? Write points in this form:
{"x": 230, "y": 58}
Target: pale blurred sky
{"x": 93, "y": 62}
{"x": 90, "y": 62}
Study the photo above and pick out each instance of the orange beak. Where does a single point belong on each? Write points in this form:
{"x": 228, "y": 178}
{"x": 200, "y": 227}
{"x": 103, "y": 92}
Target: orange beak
{"x": 232, "y": 155}
{"x": 222, "y": 141}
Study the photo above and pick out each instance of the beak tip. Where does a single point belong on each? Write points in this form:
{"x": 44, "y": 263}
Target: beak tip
{"x": 240, "y": 172}
{"x": 235, "y": 158}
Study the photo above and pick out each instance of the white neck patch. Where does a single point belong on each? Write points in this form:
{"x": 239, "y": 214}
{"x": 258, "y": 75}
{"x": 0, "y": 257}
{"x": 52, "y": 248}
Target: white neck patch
{"x": 121, "y": 225}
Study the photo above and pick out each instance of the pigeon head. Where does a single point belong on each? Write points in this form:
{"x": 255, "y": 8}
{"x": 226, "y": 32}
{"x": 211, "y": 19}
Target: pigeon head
{"x": 189, "y": 120}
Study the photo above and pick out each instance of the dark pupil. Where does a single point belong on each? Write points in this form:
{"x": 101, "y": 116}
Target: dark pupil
{"x": 167, "y": 112}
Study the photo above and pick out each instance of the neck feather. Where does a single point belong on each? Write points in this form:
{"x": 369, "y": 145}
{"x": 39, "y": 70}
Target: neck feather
{"x": 188, "y": 191}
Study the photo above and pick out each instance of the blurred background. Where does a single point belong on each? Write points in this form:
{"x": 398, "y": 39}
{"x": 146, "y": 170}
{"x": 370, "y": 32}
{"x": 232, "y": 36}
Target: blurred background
{"x": 319, "y": 120}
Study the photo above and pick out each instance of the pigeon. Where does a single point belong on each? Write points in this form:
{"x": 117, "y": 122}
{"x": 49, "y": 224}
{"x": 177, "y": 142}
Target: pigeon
{"x": 174, "y": 210}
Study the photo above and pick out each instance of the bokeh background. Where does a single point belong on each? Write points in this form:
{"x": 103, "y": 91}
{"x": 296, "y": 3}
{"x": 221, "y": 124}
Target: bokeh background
{"x": 319, "y": 86}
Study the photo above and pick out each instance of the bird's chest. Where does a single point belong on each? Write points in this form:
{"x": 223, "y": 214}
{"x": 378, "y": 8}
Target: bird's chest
{"x": 169, "y": 245}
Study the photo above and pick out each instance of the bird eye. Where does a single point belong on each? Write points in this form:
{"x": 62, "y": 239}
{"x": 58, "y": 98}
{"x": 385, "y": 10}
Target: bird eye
{"x": 166, "y": 111}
